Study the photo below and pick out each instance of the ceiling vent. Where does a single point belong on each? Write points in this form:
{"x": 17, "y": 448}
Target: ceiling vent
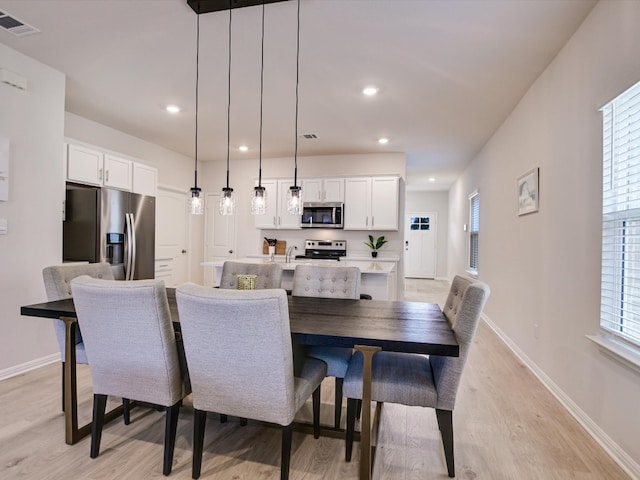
{"x": 15, "y": 26}
{"x": 308, "y": 136}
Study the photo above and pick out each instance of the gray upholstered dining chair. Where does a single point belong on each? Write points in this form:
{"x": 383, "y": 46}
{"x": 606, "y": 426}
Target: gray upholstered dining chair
{"x": 56, "y": 283}
{"x": 269, "y": 275}
{"x": 131, "y": 347}
{"x": 329, "y": 282}
{"x": 239, "y": 351}
{"x": 419, "y": 380}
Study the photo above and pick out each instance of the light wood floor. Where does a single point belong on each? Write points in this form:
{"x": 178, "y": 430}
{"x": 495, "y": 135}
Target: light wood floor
{"x": 506, "y": 425}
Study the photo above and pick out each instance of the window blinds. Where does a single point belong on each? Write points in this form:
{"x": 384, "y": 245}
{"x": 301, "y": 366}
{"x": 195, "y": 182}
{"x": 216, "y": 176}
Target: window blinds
{"x": 474, "y": 228}
{"x": 620, "y": 295}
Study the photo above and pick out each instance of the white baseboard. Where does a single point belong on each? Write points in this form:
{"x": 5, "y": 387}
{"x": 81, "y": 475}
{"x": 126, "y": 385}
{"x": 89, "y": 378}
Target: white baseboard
{"x": 32, "y": 365}
{"x": 612, "y": 448}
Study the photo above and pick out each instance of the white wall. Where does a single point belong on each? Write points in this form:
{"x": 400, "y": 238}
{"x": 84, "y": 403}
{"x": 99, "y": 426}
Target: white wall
{"x": 174, "y": 170}
{"x": 33, "y": 121}
{"x": 245, "y": 172}
{"x": 438, "y": 202}
{"x": 544, "y": 268}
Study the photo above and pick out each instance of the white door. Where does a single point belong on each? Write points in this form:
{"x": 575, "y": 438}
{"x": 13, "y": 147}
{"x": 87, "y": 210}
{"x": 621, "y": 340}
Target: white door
{"x": 172, "y": 232}
{"x": 420, "y": 248}
{"x": 219, "y": 236}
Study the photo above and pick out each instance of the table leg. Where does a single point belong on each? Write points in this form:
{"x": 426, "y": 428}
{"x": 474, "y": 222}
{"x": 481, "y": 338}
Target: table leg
{"x": 365, "y": 435}
{"x": 73, "y": 434}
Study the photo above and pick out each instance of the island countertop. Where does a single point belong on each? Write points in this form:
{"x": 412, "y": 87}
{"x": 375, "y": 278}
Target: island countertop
{"x": 366, "y": 266}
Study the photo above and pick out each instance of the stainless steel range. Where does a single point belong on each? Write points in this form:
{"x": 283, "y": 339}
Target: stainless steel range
{"x": 324, "y": 249}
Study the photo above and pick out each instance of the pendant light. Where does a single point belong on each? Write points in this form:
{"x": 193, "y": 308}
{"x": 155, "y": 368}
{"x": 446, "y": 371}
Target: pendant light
{"x": 196, "y": 206}
{"x": 227, "y": 200}
{"x": 294, "y": 196}
{"x": 259, "y": 194}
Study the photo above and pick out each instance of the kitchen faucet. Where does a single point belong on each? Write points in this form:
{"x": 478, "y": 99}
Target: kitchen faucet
{"x": 288, "y": 254}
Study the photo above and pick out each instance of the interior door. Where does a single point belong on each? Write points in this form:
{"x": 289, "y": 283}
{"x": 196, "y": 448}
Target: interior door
{"x": 220, "y": 236}
{"x": 420, "y": 248}
{"x": 172, "y": 232}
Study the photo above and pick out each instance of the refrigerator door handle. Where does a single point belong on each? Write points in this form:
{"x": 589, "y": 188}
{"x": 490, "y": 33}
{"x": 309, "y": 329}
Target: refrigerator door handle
{"x": 132, "y": 249}
{"x": 127, "y": 231}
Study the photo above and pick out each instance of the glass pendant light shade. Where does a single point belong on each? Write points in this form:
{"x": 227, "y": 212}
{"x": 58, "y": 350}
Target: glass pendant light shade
{"x": 196, "y": 206}
{"x": 294, "y": 200}
{"x": 259, "y": 201}
{"x": 227, "y": 202}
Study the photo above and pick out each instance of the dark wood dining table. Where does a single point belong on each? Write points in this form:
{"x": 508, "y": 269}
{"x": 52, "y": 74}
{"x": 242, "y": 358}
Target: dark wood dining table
{"x": 366, "y": 325}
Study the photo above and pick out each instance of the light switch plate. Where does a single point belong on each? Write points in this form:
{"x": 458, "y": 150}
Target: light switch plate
{"x": 3, "y": 226}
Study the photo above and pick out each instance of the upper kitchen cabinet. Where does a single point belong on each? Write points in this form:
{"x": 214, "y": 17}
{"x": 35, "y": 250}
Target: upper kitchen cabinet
{"x": 145, "y": 179}
{"x": 277, "y": 216}
{"x": 85, "y": 165}
{"x": 371, "y": 203}
{"x": 323, "y": 190}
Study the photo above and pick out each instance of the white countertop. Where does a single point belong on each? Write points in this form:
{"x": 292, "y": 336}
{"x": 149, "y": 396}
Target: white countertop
{"x": 366, "y": 266}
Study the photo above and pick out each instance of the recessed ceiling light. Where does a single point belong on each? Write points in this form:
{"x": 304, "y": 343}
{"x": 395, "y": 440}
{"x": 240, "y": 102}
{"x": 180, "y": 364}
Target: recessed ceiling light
{"x": 383, "y": 141}
{"x": 432, "y": 179}
{"x": 173, "y": 109}
{"x": 243, "y": 148}
{"x": 370, "y": 91}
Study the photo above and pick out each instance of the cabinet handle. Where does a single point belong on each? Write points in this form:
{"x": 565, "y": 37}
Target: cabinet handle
{"x": 274, "y": 221}
{"x": 372, "y": 221}
{"x": 100, "y": 174}
{"x": 279, "y": 220}
{"x": 106, "y": 175}
{"x": 366, "y": 222}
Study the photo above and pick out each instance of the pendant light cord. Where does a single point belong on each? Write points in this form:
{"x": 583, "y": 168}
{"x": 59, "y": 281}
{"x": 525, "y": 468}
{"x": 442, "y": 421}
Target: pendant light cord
{"x": 195, "y": 182}
{"x": 295, "y": 155}
{"x": 261, "y": 92}
{"x": 229, "y": 102}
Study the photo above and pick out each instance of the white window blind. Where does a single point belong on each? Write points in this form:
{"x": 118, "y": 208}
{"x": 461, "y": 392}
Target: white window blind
{"x": 620, "y": 297}
{"x": 474, "y": 228}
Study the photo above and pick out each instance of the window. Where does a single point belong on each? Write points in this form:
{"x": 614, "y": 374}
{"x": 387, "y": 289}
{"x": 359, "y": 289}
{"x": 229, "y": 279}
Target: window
{"x": 620, "y": 296}
{"x": 474, "y": 228}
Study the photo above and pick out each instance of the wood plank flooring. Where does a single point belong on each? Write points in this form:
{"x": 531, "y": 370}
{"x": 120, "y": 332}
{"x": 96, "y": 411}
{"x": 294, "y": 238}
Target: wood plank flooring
{"x": 506, "y": 426}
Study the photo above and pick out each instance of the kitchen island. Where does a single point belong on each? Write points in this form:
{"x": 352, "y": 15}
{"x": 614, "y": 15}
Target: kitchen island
{"x": 379, "y": 276}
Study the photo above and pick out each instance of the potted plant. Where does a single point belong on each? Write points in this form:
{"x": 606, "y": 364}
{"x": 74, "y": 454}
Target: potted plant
{"x": 375, "y": 245}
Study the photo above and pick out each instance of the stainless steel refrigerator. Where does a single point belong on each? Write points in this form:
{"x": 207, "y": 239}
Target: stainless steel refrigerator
{"x": 106, "y": 225}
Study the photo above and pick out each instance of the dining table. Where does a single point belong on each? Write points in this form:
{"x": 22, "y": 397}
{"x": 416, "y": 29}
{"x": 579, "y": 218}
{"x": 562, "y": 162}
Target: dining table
{"x": 365, "y": 325}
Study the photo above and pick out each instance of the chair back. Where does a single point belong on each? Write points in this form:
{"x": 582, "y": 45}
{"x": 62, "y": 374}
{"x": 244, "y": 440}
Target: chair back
{"x": 463, "y": 308}
{"x": 57, "y": 286}
{"x": 269, "y": 275}
{"x": 326, "y": 282}
{"x": 129, "y": 339}
{"x": 238, "y": 348}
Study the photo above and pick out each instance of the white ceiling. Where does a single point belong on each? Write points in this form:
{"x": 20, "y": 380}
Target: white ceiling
{"x": 449, "y": 72}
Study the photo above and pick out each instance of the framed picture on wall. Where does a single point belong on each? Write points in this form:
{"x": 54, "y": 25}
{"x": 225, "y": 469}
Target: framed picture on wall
{"x": 528, "y": 192}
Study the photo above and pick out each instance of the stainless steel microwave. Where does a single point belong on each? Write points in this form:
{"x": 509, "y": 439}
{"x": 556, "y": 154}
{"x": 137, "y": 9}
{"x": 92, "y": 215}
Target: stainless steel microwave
{"x": 322, "y": 215}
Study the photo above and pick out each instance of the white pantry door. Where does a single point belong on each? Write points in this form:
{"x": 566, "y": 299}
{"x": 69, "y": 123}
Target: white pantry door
{"x": 172, "y": 232}
{"x": 420, "y": 249}
{"x": 220, "y": 236}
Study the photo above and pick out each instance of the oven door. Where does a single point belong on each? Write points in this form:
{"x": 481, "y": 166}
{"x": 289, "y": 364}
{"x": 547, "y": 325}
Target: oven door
{"x": 322, "y": 215}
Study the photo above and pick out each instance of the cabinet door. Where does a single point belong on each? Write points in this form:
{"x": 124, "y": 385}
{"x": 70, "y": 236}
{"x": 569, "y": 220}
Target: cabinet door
{"x": 84, "y": 165}
{"x": 312, "y": 190}
{"x": 145, "y": 179}
{"x": 333, "y": 190}
{"x": 270, "y": 219}
{"x": 118, "y": 173}
{"x": 357, "y": 208}
{"x": 384, "y": 203}
{"x": 285, "y": 219}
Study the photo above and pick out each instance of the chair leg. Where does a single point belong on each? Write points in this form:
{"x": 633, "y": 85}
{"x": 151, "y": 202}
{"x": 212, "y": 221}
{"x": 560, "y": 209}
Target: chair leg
{"x": 286, "y": 451}
{"x": 338, "y": 402}
{"x": 99, "y": 406}
{"x": 445, "y": 424}
{"x": 223, "y": 418}
{"x": 243, "y": 422}
{"x": 316, "y": 412}
{"x": 171, "y": 425}
{"x": 359, "y": 409}
{"x": 199, "y": 421}
{"x": 126, "y": 411}
{"x": 352, "y": 406}
{"x": 62, "y": 363}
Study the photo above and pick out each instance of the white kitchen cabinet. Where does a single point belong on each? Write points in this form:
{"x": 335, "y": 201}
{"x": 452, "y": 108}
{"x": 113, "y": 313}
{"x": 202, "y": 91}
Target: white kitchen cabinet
{"x": 145, "y": 179}
{"x": 118, "y": 172}
{"x": 164, "y": 270}
{"x": 277, "y": 216}
{"x": 84, "y": 165}
{"x": 323, "y": 189}
{"x": 371, "y": 203}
